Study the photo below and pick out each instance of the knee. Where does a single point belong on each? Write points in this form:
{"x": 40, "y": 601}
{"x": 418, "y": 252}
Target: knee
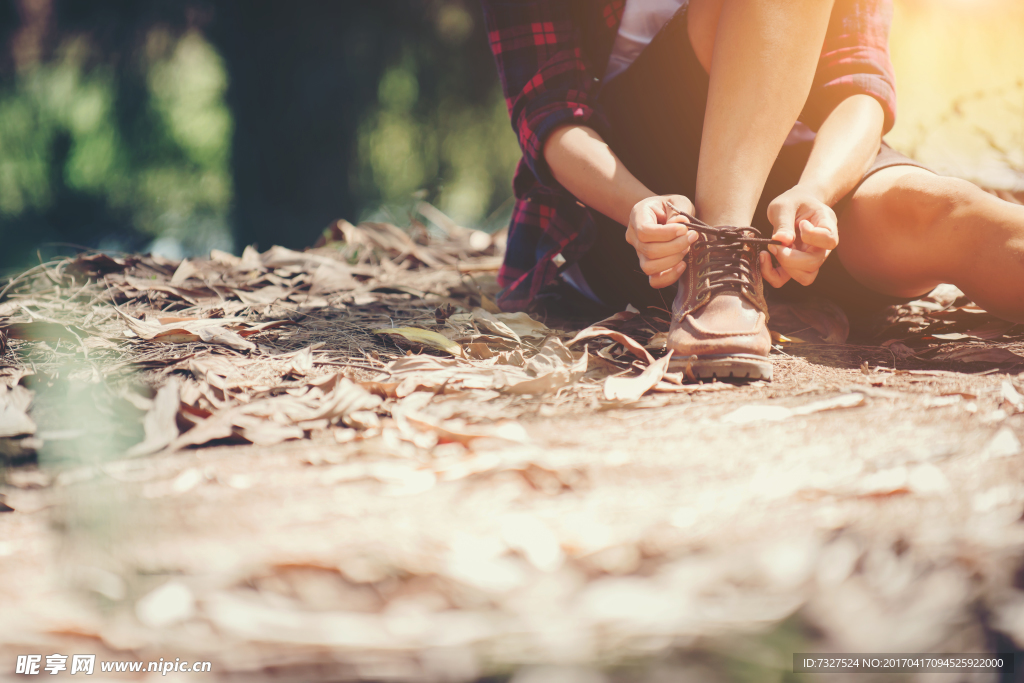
{"x": 923, "y": 204}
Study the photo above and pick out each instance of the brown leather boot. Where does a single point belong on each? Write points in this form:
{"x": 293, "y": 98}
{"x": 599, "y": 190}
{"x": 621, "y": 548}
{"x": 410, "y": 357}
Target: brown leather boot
{"x": 719, "y": 316}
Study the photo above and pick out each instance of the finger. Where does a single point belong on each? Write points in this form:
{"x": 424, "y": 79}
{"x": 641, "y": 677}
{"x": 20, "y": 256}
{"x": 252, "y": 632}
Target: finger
{"x": 681, "y": 203}
{"x": 802, "y": 266}
{"x": 668, "y": 277}
{"x": 821, "y": 236}
{"x": 776, "y": 277}
{"x": 658, "y": 265}
{"x": 808, "y": 258}
{"x": 655, "y": 250}
{"x": 647, "y": 212}
{"x": 803, "y": 277}
{"x": 783, "y": 219}
{"x": 660, "y": 232}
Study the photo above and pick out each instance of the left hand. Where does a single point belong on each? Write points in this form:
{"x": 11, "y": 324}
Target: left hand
{"x": 808, "y": 230}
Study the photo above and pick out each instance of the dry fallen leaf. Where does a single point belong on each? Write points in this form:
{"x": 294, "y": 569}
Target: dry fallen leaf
{"x": 425, "y": 338}
{"x": 677, "y": 388}
{"x": 230, "y": 332}
{"x": 280, "y": 418}
{"x": 631, "y": 345}
{"x": 514, "y": 326}
{"x": 981, "y": 354}
{"x": 14, "y": 404}
{"x": 773, "y": 413}
{"x": 331, "y": 278}
{"x": 824, "y": 317}
{"x": 627, "y": 389}
{"x": 553, "y": 368}
{"x": 302, "y": 362}
{"x": 1012, "y": 402}
{"x": 523, "y": 325}
{"x": 900, "y": 350}
{"x": 161, "y": 426}
{"x": 97, "y": 265}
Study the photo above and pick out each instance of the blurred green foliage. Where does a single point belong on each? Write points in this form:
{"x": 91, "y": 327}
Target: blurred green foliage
{"x": 459, "y": 153}
{"x": 214, "y": 123}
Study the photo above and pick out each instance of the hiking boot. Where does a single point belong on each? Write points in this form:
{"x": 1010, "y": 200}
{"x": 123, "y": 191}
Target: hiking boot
{"x": 719, "y": 316}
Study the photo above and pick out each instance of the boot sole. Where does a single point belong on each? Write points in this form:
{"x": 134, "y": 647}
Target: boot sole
{"x": 737, "y": 366}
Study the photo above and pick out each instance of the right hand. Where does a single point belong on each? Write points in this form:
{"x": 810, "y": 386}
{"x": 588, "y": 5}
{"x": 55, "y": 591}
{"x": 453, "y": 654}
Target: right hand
{"x": 661, "y": 242}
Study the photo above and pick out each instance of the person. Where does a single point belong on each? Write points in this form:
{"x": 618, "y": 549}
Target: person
{"x": 719, "y": 144}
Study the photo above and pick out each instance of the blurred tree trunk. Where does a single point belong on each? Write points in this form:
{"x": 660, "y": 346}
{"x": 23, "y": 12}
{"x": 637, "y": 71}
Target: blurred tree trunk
{"x": 301, "y": 74}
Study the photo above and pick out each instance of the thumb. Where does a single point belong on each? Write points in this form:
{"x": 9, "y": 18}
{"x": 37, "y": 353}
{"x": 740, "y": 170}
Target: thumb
{"x": 785, "y": 224}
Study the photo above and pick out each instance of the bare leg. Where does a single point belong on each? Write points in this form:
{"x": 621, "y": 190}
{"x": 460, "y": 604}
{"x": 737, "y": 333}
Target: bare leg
{"x": 762, "y": 63}
{"x": 907, "y": 230}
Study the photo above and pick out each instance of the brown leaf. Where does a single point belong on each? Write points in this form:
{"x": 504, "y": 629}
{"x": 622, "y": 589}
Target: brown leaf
{"x": 382, "y": 389}
{"x": 954, "y": 336}
{"x": 627, "y": 389}
{"x": 161, "y": 425}
{"x": 262, "y": 296}
{"x": 14, "y": 404}
{"x": 424, "y": 338}
{"x": 478, "y": 351}
{"x": 97, "y": 265}
{"x": 281, "y": 418}
{"x": 771, "y": 412}
{"x": 1012, "y": 402}
{"x": 673, "y": 388}
{"x": 823, "y": 316}
{"x": 189, "y": 295}
{"x": 620, "y": 317}
{"x": 214, "y": 334}
{"x": 302, "y": 362}
{"x": 658, "y": 342}
{"x": 185, "y": 270}
{"x": 899, "y": 349}
{"x": 228, "y": 332}
{"x": 991, "y": 330}
{"x": 488, "y": 322}
{"x": 631, "y": 345}
{"x": 457, "y": 431}
{"x": 329, "y": 278}
{"x": 553, "y": 368}
{"x": 981, "y": 354}
{"x": 214, "y": 370}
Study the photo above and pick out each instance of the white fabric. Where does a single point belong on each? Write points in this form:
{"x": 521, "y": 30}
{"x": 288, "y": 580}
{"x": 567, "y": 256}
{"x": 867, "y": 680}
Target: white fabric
{"x": 641, "y": 21}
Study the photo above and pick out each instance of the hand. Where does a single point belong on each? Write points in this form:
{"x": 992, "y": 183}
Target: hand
{"x": 661, "y": 242}
{"x": 808, "y": 230}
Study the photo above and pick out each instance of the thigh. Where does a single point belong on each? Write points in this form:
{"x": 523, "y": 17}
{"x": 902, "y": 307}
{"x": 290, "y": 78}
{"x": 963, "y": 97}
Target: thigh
{"x": 703, "y": 28}
{"x": 885, "y": 238}
{"x": 655, "y": 110}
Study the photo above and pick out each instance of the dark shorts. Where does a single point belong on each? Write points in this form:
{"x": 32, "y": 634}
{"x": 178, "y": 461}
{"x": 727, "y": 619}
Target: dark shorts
{"x": 656, "y": 110}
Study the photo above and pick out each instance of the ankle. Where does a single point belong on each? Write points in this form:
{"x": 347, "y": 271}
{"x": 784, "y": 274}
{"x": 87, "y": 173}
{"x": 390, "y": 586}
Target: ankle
{"x": 734, "y": 218}
{"x": 729, "y": 214}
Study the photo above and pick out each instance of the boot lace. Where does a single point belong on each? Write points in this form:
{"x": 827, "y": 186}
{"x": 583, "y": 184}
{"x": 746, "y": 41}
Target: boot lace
{"x": 729, "y": 255}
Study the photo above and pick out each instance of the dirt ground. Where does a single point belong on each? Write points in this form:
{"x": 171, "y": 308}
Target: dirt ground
{"x": 312, "y": 501}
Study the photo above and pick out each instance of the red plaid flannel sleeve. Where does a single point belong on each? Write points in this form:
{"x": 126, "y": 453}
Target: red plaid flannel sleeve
{"x": 546, "y": 81}
{"x": 854, "y": 61}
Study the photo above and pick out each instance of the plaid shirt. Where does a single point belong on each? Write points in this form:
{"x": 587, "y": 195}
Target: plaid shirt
{"x": 550, "y": 54}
